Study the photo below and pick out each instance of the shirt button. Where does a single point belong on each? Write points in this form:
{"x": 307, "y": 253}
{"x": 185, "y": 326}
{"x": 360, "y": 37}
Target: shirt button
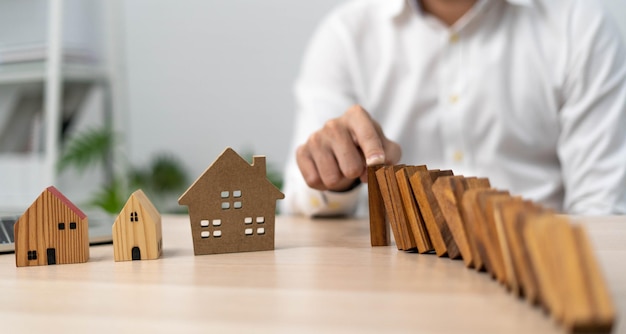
{"x": 458, "y": 156}
{"x": 454, "y": 37}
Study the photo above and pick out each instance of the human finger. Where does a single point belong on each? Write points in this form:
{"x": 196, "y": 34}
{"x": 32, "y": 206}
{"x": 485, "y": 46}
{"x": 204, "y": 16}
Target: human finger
{"x": 366, "y": 135}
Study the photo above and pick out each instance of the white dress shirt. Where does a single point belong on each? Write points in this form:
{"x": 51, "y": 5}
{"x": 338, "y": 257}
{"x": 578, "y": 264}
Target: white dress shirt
{"x": 529, "y": 93}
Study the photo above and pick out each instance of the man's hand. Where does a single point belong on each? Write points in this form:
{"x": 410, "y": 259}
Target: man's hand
{"x": 339, "y": 153}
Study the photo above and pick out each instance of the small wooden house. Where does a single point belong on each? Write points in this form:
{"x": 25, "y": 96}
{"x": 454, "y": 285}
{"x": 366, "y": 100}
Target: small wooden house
{"x": 137, "y": 230}
{"x": 232, "y": 206}
{"x": 51, "y": 231}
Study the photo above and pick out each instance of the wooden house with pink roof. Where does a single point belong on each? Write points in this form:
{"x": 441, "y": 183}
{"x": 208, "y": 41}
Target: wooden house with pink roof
{"x": 51, "y": 231}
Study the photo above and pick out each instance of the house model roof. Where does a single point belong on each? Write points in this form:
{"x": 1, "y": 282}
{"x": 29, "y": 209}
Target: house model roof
{"x": 229, "y": 167}
{"x": 54, "y": 191}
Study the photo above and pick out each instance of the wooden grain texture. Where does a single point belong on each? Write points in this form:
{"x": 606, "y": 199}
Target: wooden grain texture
{"x": 506, "y": 244}
{"x": 411, "y": 208}
{"x": 602, "y": 310}
{"x": 477, "y": 226}
{"x": 51, "y": 231}
{"x": 396, "y": 197}
{"x": 558, "y": 259}
{"x": 486, "y": 203}
{"x": 536, "y": 237}
{"x": 390, "y": 208}
{"x": 379, "y": 228}
{"x": 472, "y": 183}
{"x": 569, "y": 274}
{"x": 451, "y": 246}
{"x": 477, "y": 182}
{"x": 448, "y": 191}
{"x": 421, "y": 183}
{"x": 580, "y": 299}
{"x": 137, "y": 232}
{"x": 521, "y": 279}
{"x": 532, "y": 286}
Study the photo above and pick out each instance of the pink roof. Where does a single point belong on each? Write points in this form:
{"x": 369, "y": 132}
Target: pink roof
{"x": 66, "y": 201}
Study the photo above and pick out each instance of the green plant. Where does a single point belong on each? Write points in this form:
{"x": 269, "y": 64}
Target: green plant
{"x": 162, "y": 180}
{"x": 86, "y": 149}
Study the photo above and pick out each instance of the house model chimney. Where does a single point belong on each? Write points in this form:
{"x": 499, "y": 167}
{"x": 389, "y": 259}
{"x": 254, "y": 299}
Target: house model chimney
{"x": 258, "y": 162}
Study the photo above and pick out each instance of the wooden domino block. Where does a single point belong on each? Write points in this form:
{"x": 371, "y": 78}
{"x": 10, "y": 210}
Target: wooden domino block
{"x": 514, "y": 215}
{"x": 537, "y": 239}
{"x": 390, "y": 207}
{"x": 575, "y": 293}
{"x": 413, "y": 215}
{"x": 403, "y": 224}
{"x": 601, "y": 307}
{"x": 486, "y": 203}
{"x": 451, "y": 246}
{"x": 472, "y": 183}
{"x": 379, "y": 229}
{"x": 421, "y": 183}
{"x": 449, "y": 192}
{"x": 503, "y": 230}
{"x": 568, "y": 274}
{"x": 476, "y": 226}
{"x": 477, "y": 182}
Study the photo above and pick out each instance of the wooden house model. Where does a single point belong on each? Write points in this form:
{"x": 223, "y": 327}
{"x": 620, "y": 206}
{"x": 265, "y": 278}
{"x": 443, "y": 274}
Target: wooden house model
{"x": 137, "y": 230}
{"x": 51, "y": 231}
{"x": 232, "y": 206}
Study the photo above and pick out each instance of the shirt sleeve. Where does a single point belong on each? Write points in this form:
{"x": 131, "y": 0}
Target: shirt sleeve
{"x": 592, "y": 141}
{"x": 323, "y": 90}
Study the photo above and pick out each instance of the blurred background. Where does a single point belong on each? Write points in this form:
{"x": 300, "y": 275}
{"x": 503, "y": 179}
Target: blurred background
{"x": 146, "y": 93}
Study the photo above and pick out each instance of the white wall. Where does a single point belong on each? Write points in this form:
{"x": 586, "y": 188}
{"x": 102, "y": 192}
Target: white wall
{"x": 204, "y": 75}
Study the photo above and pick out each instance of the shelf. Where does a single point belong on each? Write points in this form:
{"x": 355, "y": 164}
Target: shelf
{"x": 47, "y": 65}
{"x": 36, "y": 72}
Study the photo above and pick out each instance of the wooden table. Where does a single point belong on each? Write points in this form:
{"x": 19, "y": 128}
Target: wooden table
{"x": 322, "y": 277}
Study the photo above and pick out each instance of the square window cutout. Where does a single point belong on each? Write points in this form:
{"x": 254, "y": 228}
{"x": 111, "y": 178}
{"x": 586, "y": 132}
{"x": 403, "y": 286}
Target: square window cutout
{"x": 260, "y": 230}
{"x": 248, "y": 231}
{"x": 205, "y": 234}
{"x": 204, "y": 223}
{"x": 247, "y": 220}
{"x": 217, "y": 222}
{"x": 260, "y": 220}
{"x": 217, "y": 234}
{"x": 225, "y": 194}
{"x": 225, "y": 205}
{"x": 237, "y": 193}
{"x": 237, "y": 205}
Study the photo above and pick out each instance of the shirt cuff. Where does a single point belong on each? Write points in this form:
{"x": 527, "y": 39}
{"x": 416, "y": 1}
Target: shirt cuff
{"x": 329, "y": 203}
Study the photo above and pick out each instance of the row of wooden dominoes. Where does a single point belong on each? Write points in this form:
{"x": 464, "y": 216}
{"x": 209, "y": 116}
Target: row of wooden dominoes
{"x": 531, "y": 250}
